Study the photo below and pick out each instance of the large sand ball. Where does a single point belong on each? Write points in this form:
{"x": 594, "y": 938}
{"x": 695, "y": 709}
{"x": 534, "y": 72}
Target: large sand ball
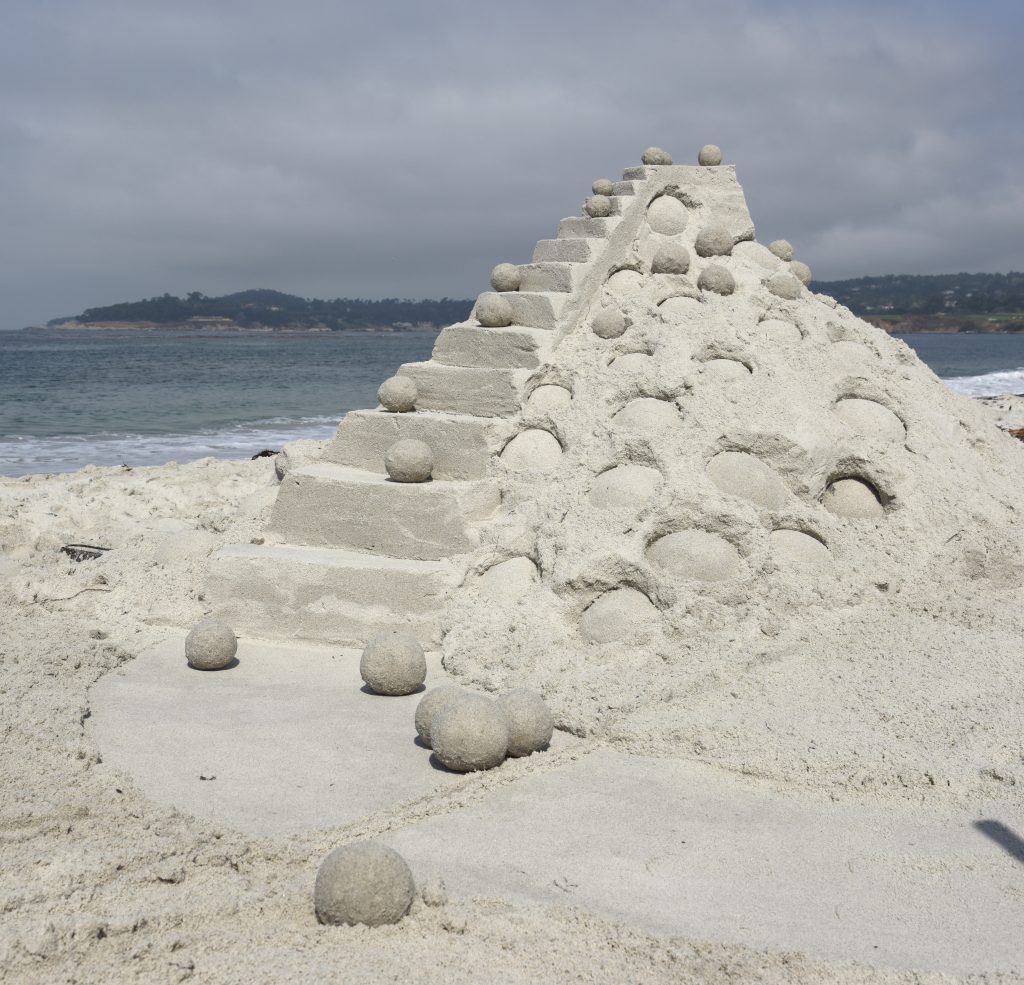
{"x": 430, "y": 704}
{"x": 647, "y": 412}
{"x": 655, "y": 156}
{"x": 667, "y": 215}
{"x": 211, "y": 645}
{"x": 509, "y": 579}
{"x": 632, "y": 362}
{"x": 409, "y": 460}
{"x": 625, "y": 283}
{"x": 852, "y": 499}
{"x": 870, "y": 418}
{"x": 393, "y": 664}
{"x": 470, "y": 734}
{"x": 801, "y": 272}
{"x": 778, "y": 331}
{"x": 714, "y": 241}
{"x": 532, "y": 449}
{"x": 365, "y": 883}
{"x": 671, "y": 258}
{"x": 530, "y": 725}
{"x": 723, "y": 370}
{"x": 785, "y": 286}
{"x": 797, "y": 547}
{"x": 782, "y": 248}
{"x": 598, "y": 206}
{"x": 549, "y": 398}
{"x": 608, "y": 323}
{"x": 740, "y": 474}
{"x": 709, "y": 156}
{"x": 603, "y": 186}
{"x": 625, "y": 486}
{"x": 695, "y": 554}
{"x": 716, "y": 279}
{"x": 493, "y": 311}
{"x": 506, "y": 277}
{"x": 398, "y": 394}
{"x": 617, "y": 615}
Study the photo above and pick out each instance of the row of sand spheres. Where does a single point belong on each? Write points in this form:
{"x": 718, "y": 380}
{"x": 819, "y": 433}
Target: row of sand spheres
{"x": 694, "y": 478}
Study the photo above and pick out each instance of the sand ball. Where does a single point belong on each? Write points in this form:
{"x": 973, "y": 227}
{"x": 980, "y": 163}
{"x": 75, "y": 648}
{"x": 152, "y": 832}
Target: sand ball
{"x": 608, "y": 323}
{"x": 785, "y": 286}
{"x": 430, "y": 704}
{"x": 493, "y": 311}
{"x": 393, "y": 663}
{"x": 366, "y": 883}
{"x": 713, "y": 241}
{"x": 533, "y": 448}
{"x": 617, "y": 615}
{"x": 655, "y": 155}
{"x": 530, "y": 725}
{"x": 470, "y": 734}
{"x": 717, "y": 279}
{"x": 853, "y": 499}
{"x": 672, "y": 258}
{"x": 409, "y": 460}
{"x": 505, "y": 277}
{"x": 801, "y": 272}
{"x": 603, "y": 186}
{"x": 598, "y": 206}
{"x": 211, "y": 645}
{"x": 398, "y": 394}
{"x": 710, "y": 156}
{"x": 782, "y": 248}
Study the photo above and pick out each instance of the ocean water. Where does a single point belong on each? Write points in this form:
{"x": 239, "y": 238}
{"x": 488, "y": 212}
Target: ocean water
{"x": 69, "y": 399}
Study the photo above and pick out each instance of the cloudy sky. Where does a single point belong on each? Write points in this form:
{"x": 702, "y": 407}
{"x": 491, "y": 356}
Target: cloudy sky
{"x": 403, "y": 148}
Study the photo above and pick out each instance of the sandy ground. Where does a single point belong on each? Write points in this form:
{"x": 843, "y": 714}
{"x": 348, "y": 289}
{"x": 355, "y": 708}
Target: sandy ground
{"x": 98, "y": 883}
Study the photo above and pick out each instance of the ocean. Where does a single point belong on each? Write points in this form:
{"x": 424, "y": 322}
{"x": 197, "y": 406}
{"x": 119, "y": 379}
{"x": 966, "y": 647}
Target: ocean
{"x": 69, "y": 399}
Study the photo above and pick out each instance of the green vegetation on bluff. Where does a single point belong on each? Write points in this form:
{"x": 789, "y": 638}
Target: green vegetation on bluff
{"x": 935, "y": 294}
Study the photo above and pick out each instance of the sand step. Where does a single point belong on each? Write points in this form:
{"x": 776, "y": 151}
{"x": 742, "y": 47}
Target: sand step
{"x": 567, "y": 250}
{"x": 467, "y": 390}
{"x": 328, "y": 505}
{"x": 463, "y": 446}
{"x": 558, "y": 276}
{"x": 330, "y": 596}
{"x": 584, "y": 227}
{"x": 537, "y": 309}
{"x": 473, "y": 346}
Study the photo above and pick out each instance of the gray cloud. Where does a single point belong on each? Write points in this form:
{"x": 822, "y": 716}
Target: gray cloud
{"x": 402, "y": 149}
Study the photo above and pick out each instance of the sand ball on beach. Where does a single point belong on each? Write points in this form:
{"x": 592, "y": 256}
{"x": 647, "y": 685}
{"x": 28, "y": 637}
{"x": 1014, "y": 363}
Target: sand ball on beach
{"x": 505, "y": 277}
{"x": 709, "y": 156}
{"x": 409, "y": 460}
{"x": 801, "y": 272}
{"x": 782, "y": 248}
{"x": 785, "y": 286}
{"x": 717, "y": 279}
{"x": 603, "y": 186}
{"x": 365, "y": 883}
{"x": 211, "y": 645}
{"x": 608, "y": 323}
{"x": 530, "y": 725}
{"x": 655, "y": 155}
{"x": 470, "y": 734}
{"x": 430, "y": 704}
{"x": 398, "y": 394}
{"x": 493, "y": 311}
{"x": 672, "y": 258}
{"x": 393, "y": 664}
{"x": 598, "y": 206}
{"x": 713, "y": 241}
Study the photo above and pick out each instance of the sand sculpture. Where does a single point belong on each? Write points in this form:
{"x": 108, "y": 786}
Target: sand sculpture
{"x": 365, "y": 882}
{"x": 656, "y": 458}
{"x": 393, "y": 664}
{"x": 211, "y": 645}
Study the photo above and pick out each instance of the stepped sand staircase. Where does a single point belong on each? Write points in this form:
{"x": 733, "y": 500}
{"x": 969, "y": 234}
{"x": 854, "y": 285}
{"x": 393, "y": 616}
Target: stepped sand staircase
{"x": 349, "y": 553}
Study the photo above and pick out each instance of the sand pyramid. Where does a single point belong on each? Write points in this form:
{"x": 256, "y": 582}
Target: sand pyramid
{"x": 665, "y": 471}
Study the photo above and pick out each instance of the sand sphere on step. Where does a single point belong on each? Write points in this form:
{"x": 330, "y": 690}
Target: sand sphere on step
{"x": 211, "y": 645}
{"x": 470, "y": 734}
{"x": 398, "y": 394}
{"x": 393, "y": 664}
{"x": 530, "y": 725}
{"x": 431, "y": 704}
{"x": 364, "y": 883}
{"x": 713, "y": 241}
{"x": 717, "y": 279}
{"x": 493, "y": 311}
{"x": 505, "y": 277}
{"x": 709, "y": 156}
{"x": 801, "y": 272}
{"x": 409, "y": 460}
{"x": 603, "y": 186}
{"x": 655, "y": 155}
{"x": 598, "y": 206}
{"x": 608, "y": 323}
{"x": 671, "y": 258}
{"x": 782, "y": 248}
{"x": 785, "y": 286}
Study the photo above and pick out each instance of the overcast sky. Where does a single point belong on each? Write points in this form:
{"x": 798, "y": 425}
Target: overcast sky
{"x": 402, "y": 149}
